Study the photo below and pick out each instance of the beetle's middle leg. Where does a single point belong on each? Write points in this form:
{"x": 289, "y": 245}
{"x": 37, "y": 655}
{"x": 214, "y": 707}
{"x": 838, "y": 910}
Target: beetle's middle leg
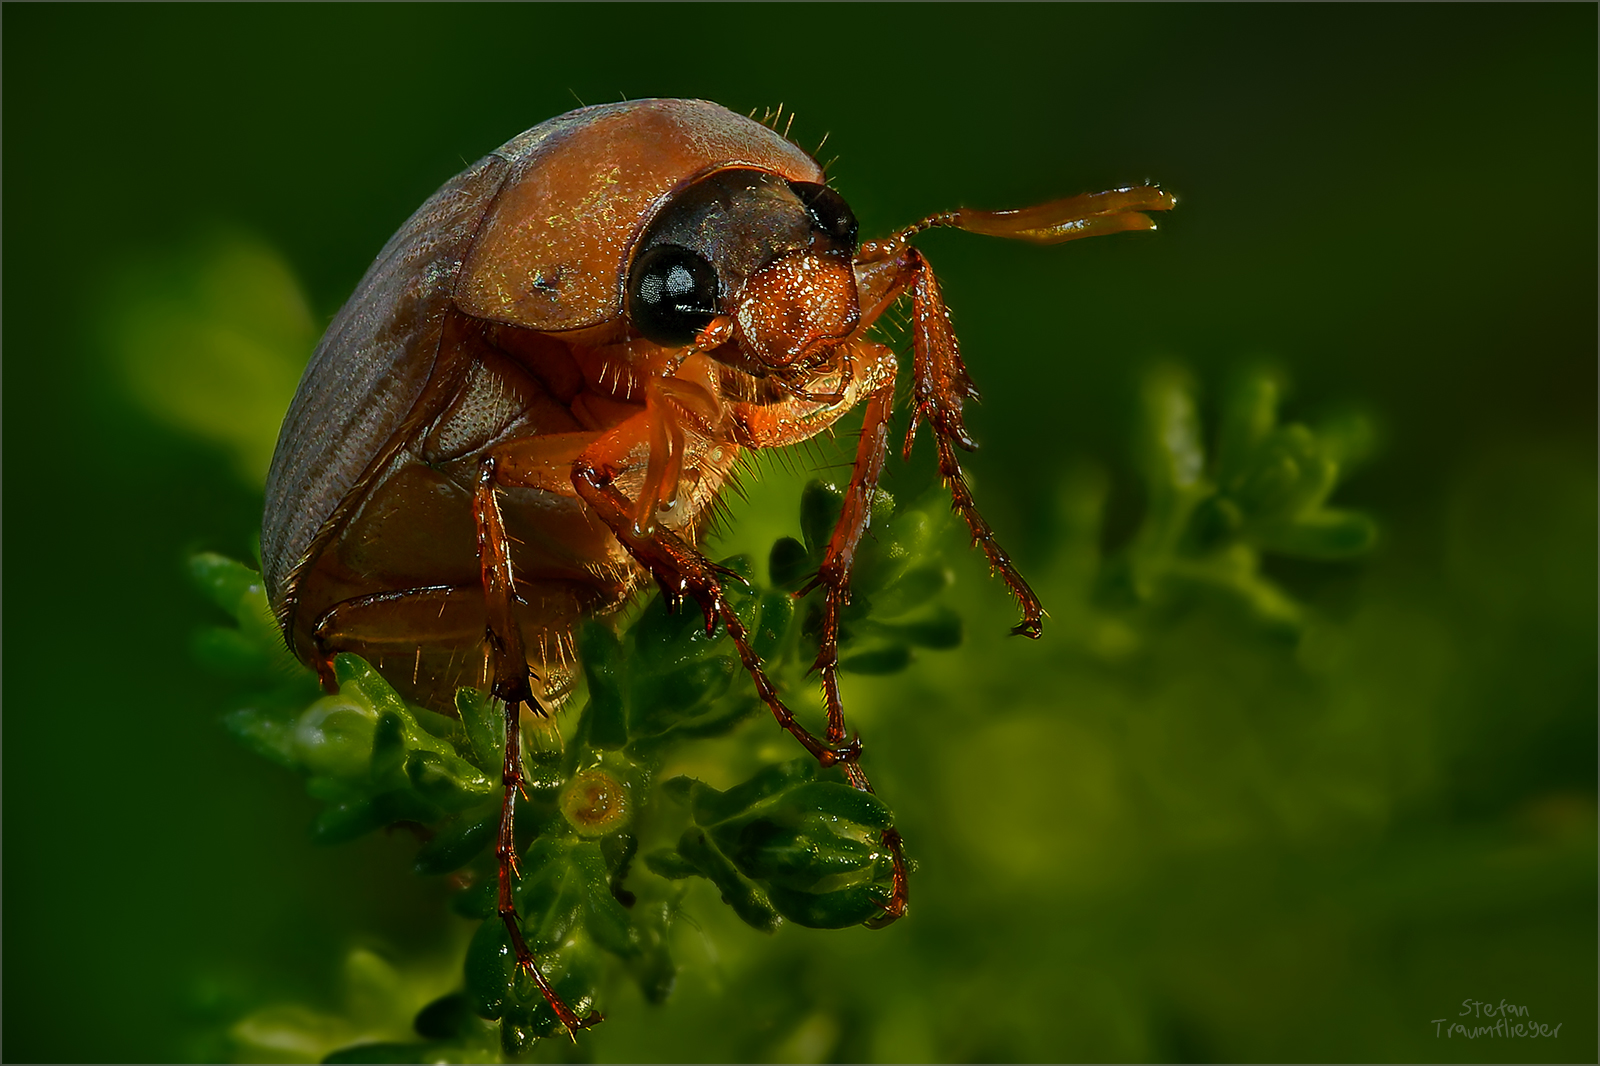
{"x": 680, "y": 569}
{"x": 509, "y": 684}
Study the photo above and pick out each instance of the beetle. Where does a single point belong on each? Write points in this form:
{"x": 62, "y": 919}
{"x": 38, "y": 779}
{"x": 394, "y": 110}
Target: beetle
{"x": 531, "y": 402}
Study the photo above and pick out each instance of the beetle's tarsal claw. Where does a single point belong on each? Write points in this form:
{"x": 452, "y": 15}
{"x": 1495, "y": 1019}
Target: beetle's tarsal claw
{"x": 889, "y": 916}
{"x": 734, "y": 574}
{"x": 850, "y": 753}
{"x": 1028, "y": 627}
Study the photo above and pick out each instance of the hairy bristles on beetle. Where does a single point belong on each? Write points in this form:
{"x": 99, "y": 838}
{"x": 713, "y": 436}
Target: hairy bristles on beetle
{"x": 538, "y": 395}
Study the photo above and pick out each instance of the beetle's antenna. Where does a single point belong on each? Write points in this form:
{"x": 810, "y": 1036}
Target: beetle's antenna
{"x": 1089, "y": 215}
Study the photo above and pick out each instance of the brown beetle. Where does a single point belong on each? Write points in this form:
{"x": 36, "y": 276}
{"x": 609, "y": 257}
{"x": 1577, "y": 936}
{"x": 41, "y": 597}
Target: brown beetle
{"x": 537, "y": 391}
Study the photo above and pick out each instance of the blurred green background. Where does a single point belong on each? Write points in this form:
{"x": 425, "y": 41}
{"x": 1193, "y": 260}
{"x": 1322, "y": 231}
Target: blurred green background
{"x": 1207, "y": 845}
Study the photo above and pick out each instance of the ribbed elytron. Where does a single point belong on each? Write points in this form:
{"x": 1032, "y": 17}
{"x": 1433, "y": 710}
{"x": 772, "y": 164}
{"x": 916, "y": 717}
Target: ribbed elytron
{"x": 533, "y": 398}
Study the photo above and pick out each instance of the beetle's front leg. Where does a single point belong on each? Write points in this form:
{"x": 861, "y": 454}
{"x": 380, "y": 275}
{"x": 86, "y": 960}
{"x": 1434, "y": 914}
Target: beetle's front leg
{"x": 939, "y": 388}
{"x": 677, "y": 566}
{"x": 509, "y": 684}
{"x": 885, "y": 269}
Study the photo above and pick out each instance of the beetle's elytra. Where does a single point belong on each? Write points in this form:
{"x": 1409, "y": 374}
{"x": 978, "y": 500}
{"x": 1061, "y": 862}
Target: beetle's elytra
{"x": 537, "y": 391}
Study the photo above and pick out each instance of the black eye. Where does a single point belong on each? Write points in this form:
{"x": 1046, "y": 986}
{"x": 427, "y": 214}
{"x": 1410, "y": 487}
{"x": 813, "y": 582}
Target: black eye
{"x": 829, "y": 212}
{"x": 672, "y": 294}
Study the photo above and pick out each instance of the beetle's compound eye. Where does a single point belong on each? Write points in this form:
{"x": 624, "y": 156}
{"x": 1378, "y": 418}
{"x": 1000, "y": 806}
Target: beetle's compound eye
{"x": 672, "y": 294}
{"x": 829, "y": 213}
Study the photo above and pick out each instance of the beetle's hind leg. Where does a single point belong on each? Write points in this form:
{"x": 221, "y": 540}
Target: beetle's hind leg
{"x": 509, "y": 684}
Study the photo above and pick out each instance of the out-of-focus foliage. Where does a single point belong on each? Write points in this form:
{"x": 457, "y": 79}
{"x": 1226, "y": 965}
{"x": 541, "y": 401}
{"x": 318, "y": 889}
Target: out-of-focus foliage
{"x": 1208, "y": 523}
{"x": 214, "y": 344}
{"x": 1175, "y": 828}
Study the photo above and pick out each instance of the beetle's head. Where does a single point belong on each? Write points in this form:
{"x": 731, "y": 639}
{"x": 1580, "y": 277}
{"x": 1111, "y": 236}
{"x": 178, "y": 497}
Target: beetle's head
{"x": 754, "y": 269}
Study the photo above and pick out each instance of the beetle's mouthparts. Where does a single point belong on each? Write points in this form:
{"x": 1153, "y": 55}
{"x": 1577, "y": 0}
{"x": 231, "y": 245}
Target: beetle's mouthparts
{"x": 798, "y": 305}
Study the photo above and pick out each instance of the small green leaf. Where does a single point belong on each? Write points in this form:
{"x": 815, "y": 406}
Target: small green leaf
{"x": 888, "y": 660}
{"x": 388, "y": 748}
{"x": 446, "y": 1018}
{"x": 799, "y": 858}
{"x": 1174, "y": 456}
{"x": 224, "y": 581}
{"x": 711, "y": 806}
{"x": 834, "y": 800}
{"x": 832, "y": 910}
{"x": 1322, "y": 535}
{"x": 664, "y": 862}
{"x": 605, "y": 919}
{"x": 820, "y": 507}
{"x": 445, "y": 780}
{"x": 1248, "y": 416}
{"x": 747, "y": 901}
{"x": 490, "y": 963}
{"x": 790, "y": 565}
{"x": 601, "y": 655}
{"x": 268, "y": 731}
{"x": 917, "y": 585}
{"x": 938, "y": 629}
{"x": 483, "y": 719}
{"x": 335, "y": 736}
{"x": 775, "y": 618}
{"x": 459, "y": 841}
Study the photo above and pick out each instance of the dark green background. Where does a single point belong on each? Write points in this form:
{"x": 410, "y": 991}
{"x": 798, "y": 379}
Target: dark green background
{"x": 1397, "y": 204}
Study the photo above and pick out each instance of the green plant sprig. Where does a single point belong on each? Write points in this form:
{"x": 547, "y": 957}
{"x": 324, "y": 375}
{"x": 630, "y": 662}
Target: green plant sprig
{"x": 1210, "y": 518}
{"x": 791, "y": 843}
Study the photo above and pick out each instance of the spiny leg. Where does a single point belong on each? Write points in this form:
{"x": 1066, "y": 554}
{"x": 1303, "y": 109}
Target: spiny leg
{"x": 833, "y": 576}
{"x": 680, "y": 570}
{"x": 940, "y": 386}
{"x": 838, "y": 559}
{"x": 509, "y": 667}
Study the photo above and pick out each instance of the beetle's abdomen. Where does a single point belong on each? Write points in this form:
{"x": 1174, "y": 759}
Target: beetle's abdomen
{"x": 367, "y": 377}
